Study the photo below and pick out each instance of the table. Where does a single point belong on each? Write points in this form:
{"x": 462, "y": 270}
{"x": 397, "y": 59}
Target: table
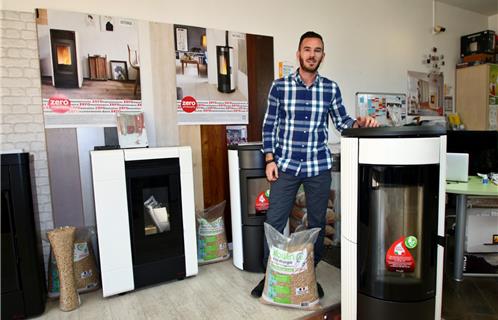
{"x": 474, "y": 187}
{"x": 192, "y": 61}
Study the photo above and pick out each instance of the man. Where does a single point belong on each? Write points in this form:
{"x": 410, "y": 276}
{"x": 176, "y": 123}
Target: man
{"x": 295, "y": 137}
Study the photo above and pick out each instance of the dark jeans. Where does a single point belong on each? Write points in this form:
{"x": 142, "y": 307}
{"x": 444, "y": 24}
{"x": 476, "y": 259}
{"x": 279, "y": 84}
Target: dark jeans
{"x": 282, "y": 196}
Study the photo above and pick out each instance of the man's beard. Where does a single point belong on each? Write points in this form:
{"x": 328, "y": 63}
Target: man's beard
{"x": 301, "y": 63}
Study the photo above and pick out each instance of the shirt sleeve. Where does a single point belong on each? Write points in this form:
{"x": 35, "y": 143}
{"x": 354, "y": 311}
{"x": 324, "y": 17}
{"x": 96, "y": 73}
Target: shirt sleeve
{"x": 338, "y": 112}
{"x": 270, "y": 122}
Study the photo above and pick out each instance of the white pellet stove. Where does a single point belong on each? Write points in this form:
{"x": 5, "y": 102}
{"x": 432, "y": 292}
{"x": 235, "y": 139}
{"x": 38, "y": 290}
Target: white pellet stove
{"x": 392, "y": 199}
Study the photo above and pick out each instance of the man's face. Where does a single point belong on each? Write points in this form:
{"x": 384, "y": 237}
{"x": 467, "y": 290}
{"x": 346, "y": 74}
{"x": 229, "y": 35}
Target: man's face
{"x": 310, "y": 54}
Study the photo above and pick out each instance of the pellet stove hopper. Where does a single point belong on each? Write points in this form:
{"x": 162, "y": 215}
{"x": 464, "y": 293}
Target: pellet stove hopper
{"x": 393, "y": 185}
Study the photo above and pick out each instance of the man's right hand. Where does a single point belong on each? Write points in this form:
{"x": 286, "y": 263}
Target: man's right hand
{"x": 271, "y": 171}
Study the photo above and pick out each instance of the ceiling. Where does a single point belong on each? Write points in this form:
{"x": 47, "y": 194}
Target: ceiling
{"x": 485, "y": 7}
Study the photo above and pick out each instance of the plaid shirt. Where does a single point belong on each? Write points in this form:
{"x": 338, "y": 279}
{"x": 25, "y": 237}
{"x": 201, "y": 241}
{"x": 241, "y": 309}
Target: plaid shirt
{"x": 295, "y": 128}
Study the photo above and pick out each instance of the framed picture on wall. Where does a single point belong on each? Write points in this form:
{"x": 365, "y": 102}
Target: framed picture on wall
{"x": 181, "y": 39}
{"x": 119, "y": 70}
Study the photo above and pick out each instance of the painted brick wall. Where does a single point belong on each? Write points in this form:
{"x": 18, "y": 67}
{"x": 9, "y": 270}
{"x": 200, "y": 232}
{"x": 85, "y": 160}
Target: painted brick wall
{"x": 21, "y": 116}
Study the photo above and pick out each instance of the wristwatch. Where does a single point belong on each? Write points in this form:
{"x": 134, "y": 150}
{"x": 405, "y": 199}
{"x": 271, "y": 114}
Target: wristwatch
{"x": 269, "y": 161}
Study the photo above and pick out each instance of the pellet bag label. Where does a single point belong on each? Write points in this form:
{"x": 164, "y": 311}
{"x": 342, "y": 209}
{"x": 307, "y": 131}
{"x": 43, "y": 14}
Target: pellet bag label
{"x": 80, "y": 251}
{"x": 211, "y": 228}
{"x": 399, "y": 258}
{"x": 285, "y": 262}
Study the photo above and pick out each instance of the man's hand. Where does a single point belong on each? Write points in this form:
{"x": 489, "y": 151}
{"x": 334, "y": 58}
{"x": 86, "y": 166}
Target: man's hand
{"x": 271, "y": 171}
{"x": 365, "y": 122}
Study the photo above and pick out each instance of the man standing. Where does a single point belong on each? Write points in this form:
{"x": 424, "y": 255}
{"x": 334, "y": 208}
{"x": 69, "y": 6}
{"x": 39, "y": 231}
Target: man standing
{"x": 295, "y": 137}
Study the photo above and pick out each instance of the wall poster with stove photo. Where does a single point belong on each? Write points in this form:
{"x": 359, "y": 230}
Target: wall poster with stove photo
{"x": 78, "y": 56}
{"x": 211, "y": 76}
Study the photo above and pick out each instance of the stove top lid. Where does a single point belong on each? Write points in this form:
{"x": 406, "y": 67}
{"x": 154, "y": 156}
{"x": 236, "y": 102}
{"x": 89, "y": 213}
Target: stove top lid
{"x": 395, "y": 132}
{"x": 14, "y": 158}
{"x": 247, "y": 146}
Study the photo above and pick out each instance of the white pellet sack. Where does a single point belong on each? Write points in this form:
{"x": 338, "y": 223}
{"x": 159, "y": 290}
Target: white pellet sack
{"x": 290, "y": 273}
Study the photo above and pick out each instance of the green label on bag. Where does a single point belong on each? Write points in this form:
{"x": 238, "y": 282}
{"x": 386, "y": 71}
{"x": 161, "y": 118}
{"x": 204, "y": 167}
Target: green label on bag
{"x": 211, "y": 248}
{"x": 285, "y": 300}
{"x": 282, "y": 290}
{"x": 284, "y": 262}
{"x": 210, "y": 257}
{"x": 282, "y": 278}
{"x": 210, "y": 239}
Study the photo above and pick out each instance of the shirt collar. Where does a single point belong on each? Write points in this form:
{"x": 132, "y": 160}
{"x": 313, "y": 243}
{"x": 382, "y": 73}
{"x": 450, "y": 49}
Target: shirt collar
{"x": 297, "y": 78}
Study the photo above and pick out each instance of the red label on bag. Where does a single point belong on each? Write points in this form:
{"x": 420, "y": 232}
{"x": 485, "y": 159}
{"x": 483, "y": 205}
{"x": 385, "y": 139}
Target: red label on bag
{"x": 399, "y": 258}
{"x": 262, "y": 201}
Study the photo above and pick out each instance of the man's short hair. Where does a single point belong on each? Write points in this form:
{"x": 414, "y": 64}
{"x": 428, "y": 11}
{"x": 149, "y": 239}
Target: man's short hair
{"x": 309, "y": 34}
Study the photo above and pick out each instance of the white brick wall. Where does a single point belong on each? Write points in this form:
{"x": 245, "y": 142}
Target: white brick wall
{"x": 21, "y": 116}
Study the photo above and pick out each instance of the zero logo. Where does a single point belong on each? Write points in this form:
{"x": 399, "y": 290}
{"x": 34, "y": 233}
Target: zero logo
{"x": 59, "y": 104}
{"x": 189, "y": 104}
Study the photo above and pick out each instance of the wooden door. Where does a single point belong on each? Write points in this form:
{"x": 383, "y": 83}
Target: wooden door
{"x": 260, "y": 73}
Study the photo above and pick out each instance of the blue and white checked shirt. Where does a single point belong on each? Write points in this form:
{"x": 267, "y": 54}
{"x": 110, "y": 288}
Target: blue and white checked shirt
{"x": 295, "y": 128}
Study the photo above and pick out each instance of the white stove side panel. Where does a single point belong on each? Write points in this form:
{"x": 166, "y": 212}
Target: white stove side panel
{"x": 111, "y": 211}
{"x": 188, "y": 211}
{"x": 233, "y": 170}
{"x": 442, "y": 186}
{"x": 349, "y": 188}
{"x": 349, "y": 287}
{"x": 440, "y": 228}
{"x": 400, "y": 151}
{"x": 439, "y": 282}
{"x": 349, "y": 212}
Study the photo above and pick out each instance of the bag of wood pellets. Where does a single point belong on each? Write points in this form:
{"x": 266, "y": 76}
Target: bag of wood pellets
{"x": 211, "y": 236}
{"x": 86, "y": 274}
{"x": 290, "y": 273}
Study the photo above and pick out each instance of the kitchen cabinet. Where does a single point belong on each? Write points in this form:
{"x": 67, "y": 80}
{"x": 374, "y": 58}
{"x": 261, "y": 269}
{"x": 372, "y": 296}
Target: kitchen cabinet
{"x": 477, "y": 96}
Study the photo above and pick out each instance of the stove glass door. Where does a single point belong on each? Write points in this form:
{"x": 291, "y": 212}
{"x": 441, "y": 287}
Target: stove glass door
{"x": 397, "y": 231}
{"x": 254, "y": 196}
{"x": 155, "y": 213}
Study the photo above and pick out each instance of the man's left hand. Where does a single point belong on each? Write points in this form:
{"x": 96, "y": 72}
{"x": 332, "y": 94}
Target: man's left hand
{"x": 365, "y": 122}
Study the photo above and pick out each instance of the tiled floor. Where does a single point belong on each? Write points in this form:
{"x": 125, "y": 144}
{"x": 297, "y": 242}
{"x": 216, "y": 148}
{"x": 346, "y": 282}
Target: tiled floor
{"x": 471, "y": 299}
{"x": 219, "y": 291}
{"x": 474, "y": 298}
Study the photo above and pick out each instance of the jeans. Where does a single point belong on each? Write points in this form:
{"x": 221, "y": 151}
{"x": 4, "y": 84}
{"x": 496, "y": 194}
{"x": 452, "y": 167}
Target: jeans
{"x": 282, "y": 196}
